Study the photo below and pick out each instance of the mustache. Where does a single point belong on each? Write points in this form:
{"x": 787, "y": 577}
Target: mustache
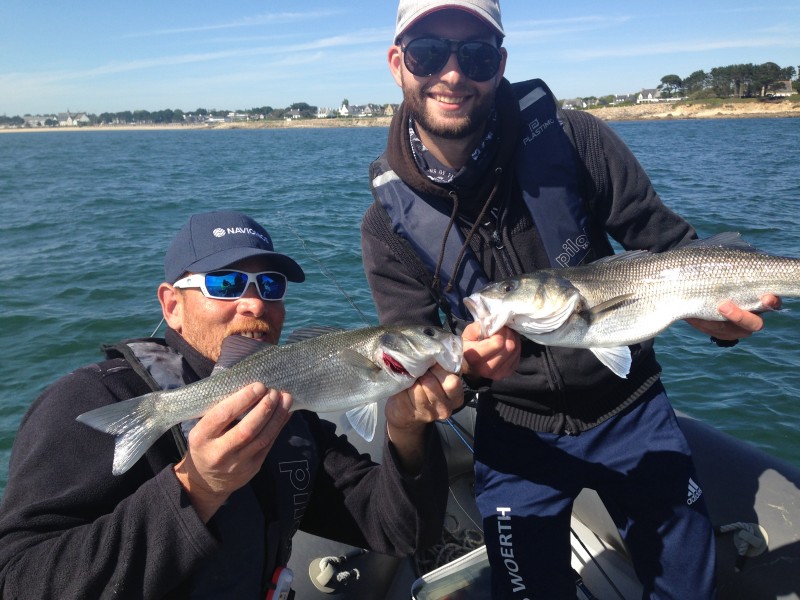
{"x": 438, "y": 87}
{"x": 248, "y": 326}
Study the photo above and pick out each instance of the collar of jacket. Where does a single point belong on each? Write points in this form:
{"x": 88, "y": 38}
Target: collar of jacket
{"x": 471, "y": 196}
{"x": 201, "y": 365}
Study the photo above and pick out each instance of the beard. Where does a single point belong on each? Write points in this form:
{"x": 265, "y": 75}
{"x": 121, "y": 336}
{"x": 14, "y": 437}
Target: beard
{"x": 449, "y": 127}
{"x": 209, "y": 341}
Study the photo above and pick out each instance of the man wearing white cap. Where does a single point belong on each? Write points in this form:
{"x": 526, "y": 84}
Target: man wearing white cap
{"x": 483, "y": 180}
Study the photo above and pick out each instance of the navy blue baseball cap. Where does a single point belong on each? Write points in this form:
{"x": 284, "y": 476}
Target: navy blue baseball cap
{"x": 215, "y": 240}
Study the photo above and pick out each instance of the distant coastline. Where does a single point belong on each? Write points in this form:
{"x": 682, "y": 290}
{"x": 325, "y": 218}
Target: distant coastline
{"x": 276, "y": 124}
{"x": 718, "y": 109}
{"x": 723, "y": 109}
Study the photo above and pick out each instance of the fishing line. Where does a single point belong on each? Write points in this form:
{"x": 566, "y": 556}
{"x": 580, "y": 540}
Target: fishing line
{"x": 326, "y": 272}
{"x": 161, "y": 322}
{"x": 322, "y": 267}
{"x": 453, "y": 426}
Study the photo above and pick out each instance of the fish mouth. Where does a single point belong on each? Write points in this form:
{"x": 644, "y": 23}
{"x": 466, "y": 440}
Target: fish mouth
{"x": 452, "y": 355}
{"x": 449, "y": 355}
{"x": 476, "y": 304}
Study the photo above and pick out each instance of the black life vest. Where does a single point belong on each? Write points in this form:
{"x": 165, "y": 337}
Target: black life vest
{"x": 546, "y": 171}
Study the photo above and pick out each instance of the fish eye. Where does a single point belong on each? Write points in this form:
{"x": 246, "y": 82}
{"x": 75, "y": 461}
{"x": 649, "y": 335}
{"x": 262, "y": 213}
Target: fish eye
{"x": 509, "y": 286}
{"x": 429, "y": 331}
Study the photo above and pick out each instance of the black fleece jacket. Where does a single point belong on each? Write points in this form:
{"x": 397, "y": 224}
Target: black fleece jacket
{"x": 554, "y": 389}
{"x": 70, "y": 529}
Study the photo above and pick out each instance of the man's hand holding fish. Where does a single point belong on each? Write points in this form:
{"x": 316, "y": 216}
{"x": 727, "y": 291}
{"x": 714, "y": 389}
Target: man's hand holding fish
{"x": 227, "y": 452}
{"x": 434, "y": 397}
{"x": 739, "y": 323}
{"x": 490, "y": 357}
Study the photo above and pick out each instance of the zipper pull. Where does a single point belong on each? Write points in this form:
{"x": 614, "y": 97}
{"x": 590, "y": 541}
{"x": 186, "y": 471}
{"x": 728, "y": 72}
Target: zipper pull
{"x": 498, "y": 243}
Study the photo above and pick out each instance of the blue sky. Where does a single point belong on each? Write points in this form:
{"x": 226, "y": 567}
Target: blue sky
{"x": 108, "y": 57}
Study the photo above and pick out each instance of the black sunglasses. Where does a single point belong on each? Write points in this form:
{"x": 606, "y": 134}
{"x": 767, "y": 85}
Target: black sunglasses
{"x": 426, "y": 56}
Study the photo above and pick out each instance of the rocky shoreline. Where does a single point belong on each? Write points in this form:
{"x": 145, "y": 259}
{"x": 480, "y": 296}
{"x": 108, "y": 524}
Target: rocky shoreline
{"x": 699, "y": 110}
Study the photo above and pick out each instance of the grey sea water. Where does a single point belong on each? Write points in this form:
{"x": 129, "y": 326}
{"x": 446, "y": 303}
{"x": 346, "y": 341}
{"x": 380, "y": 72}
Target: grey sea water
{"x": 86, "y": 217}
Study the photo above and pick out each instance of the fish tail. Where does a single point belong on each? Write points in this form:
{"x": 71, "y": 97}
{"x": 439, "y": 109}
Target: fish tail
{"x": 132, "y": 424}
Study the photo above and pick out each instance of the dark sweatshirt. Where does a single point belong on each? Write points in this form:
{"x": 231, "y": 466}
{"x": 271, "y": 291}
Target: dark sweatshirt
{"x": 70, "y": 529}
{"x": 554, "y": 389}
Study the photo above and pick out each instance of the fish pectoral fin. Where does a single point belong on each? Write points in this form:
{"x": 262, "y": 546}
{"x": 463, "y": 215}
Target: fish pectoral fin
{"x": 616, "y": 359}
{"x": 359, "y": 362}
{"x": 364, "y": 419}
{"x": 598, "y": 309}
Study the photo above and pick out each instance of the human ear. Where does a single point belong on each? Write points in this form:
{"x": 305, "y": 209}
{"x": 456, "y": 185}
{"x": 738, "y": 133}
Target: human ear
{"x": 396, "y": 64}
{"x": 171, "y": 306}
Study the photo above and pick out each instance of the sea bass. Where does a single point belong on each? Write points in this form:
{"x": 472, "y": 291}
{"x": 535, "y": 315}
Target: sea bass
{"x": 630, "y": 297}
{"x": 336, "y": 371}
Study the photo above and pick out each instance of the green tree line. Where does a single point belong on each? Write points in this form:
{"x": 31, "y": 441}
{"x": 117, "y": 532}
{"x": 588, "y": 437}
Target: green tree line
{"x": 169, "y": 116}
{"x": 739, "y": 81}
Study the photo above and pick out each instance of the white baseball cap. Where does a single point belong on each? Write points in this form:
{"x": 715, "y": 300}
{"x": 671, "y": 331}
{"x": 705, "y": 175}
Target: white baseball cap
{"x": 411, "y": 11}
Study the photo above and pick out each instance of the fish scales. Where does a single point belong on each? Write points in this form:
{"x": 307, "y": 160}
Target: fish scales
{"x": 676, "y": 285}
{"x": 345, "y": 370}
{"x": 626, "y": 299}
{"x": 309, "y": 370}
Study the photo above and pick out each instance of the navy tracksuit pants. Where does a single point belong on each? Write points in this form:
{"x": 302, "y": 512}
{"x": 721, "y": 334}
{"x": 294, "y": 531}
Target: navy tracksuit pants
{"x": 640, "y": 465}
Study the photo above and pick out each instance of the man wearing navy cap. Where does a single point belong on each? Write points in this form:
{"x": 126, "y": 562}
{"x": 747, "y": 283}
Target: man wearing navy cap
{"x": 483, "y": 180}
{"x": 209, "y": 514}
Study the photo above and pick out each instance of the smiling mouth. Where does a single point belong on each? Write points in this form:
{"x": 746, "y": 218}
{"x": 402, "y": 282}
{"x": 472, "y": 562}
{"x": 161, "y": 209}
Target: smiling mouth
{"x": 452, "y": 100}
{"x": 257, "y": 332}
{"x": 254, "y": 335}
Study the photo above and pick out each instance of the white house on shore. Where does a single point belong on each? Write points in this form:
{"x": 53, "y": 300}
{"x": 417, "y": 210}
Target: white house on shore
{"x": 649, "y": 96}
{"x": 67, "y": 119}
{"x": 783, "y": 89}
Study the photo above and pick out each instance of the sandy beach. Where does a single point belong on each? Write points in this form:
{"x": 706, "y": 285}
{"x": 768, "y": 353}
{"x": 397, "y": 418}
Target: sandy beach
{"x": 734, "y": 109}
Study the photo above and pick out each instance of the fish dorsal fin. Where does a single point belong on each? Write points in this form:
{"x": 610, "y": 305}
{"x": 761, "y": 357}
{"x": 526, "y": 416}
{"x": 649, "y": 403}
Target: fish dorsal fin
{"x": 359, "y": 362}
{"x": 363, "y": 419}
{"x": 617, "y": 359}
{"x": 726, "y": 239}
{"x": 310, "y": 332}
{"x": 236, "y": 348}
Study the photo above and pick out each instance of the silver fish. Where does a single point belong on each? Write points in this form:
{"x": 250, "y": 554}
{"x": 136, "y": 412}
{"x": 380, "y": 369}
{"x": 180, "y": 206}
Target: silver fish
{"x": 337, "y": 371}
{"x": 625, "y": 299}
